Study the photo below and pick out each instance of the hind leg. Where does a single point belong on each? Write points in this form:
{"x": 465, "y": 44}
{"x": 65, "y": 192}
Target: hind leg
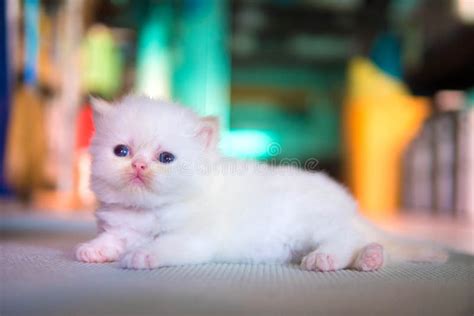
{"x": 331, "y": 256}
{"x": 370, "y": 258}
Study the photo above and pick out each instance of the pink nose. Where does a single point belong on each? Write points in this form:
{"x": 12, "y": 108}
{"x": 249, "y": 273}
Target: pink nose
{"x": 139, "y": 165}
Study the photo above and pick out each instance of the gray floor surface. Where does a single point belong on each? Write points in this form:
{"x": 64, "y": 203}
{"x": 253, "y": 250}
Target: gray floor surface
{"x": 39, "y": 276}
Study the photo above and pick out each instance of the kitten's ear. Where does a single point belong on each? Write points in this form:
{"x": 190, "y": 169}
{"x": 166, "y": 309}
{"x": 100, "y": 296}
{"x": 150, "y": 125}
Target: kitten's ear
{"x": 208, "y": 131}
{"x": 100, "y": 106}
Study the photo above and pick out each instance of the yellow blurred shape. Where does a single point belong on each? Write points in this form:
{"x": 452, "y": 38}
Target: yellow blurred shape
{"x": 380, "y": 118}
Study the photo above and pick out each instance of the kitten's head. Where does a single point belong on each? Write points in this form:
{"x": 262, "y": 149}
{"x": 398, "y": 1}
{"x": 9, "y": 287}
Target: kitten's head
{"x": 145, "y": 153}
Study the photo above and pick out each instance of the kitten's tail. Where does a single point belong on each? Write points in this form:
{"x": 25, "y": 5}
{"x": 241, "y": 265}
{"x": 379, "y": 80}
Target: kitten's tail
{"x": 402, "y": 249}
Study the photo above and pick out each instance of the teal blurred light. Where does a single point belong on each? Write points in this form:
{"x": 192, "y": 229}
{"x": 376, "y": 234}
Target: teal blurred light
{"x": 248, "y": 143}
{"x": 202, "y": 66}
{"x": 202, "y": 73}
{"x": 153, "y": 56}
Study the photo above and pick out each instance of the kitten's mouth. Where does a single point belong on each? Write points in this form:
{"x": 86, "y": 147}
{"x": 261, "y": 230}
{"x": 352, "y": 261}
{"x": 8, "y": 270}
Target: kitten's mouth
{"x": 138, "y": 179}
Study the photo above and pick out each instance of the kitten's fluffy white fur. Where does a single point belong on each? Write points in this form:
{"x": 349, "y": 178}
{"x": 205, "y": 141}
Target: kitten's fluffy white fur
{"x": 203, "y": 207}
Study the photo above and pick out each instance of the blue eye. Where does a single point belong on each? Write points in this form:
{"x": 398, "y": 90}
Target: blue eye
{"x": 121, "y": 150}
{"x": 166, "y": 157}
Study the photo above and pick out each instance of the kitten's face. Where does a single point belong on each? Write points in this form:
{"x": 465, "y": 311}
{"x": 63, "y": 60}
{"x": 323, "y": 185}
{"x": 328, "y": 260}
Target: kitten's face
{"x": 145, "y": 152}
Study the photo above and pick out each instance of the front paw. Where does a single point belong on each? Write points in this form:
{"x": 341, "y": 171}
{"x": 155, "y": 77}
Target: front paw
{"x": 98, "y": 253}
{"x": 141, "y": 258}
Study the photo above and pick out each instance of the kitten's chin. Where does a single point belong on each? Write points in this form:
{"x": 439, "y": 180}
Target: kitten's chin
{"x": 133, "y": 194}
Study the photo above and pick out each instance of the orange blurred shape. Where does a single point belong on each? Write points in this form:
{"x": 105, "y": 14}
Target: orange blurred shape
{"x": 380, "y": 118}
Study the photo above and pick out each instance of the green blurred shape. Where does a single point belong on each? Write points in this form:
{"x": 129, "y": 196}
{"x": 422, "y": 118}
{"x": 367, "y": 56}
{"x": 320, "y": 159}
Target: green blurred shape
{"x": 102, "y": 62}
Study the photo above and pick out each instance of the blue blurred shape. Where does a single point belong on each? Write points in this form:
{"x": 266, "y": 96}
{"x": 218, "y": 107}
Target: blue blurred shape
{"x": 386, "y": 54}
{"x": 31, "y": 10}
{"x": 4, "y": 93}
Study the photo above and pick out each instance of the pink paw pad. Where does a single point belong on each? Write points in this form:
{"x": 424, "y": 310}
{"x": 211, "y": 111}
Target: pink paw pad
{"x": 370, "y": 258}
{"x": 318, "y": 262}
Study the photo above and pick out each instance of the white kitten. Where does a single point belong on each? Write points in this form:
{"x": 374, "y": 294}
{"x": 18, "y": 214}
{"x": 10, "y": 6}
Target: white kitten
{"x": 167, "y": 197}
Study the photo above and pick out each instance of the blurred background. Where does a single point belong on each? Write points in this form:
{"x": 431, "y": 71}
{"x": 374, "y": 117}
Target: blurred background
{"x": 377, "y": 93}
